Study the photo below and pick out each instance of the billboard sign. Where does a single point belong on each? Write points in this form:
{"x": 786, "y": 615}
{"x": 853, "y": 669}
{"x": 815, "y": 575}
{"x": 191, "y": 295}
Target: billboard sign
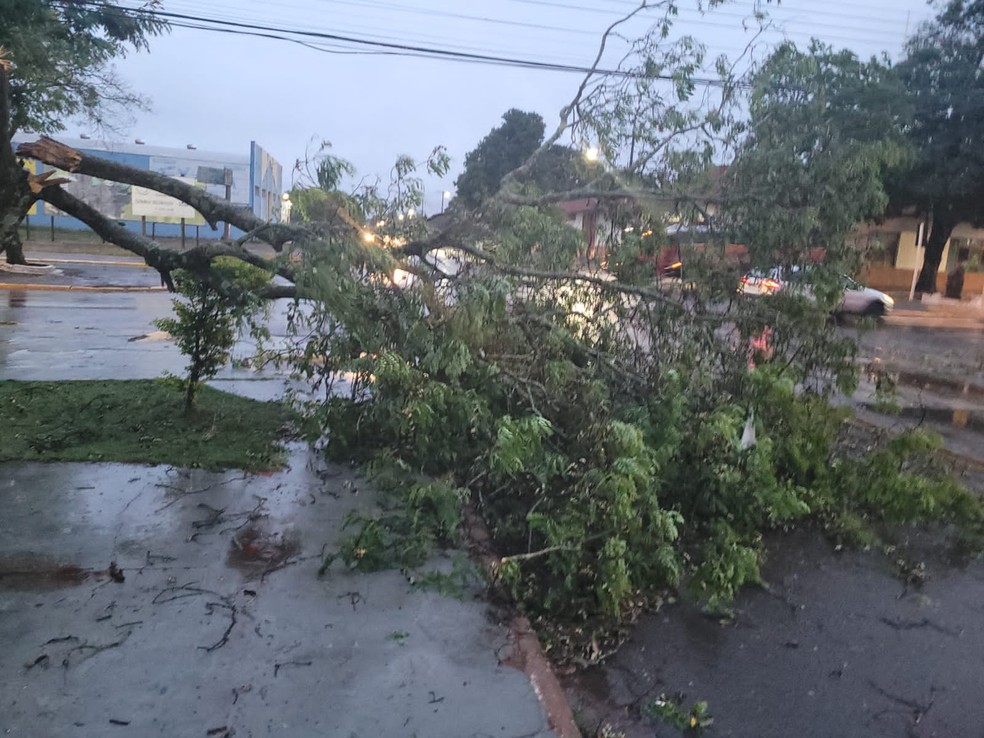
{"x": 157, "y": 206}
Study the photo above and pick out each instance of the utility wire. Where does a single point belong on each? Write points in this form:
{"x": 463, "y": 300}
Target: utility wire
{"x": 402, "y": 49}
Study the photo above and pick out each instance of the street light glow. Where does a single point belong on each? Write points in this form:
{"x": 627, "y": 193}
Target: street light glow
{"x": 592, "y": 153}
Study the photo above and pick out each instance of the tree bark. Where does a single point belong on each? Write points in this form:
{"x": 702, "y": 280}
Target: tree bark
{"x": 939, "y": 234}
{"x": 11, "y": 245}
{"x": 15, "y": 195}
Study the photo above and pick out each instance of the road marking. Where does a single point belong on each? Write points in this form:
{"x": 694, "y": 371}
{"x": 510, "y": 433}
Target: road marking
{"x": 137, "y": 264}
{"x": 75, "y": 288}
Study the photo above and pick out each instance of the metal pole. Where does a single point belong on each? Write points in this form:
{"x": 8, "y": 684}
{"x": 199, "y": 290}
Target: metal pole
{"x": 918, "y": 262}
{"x": 143, "y": 225}
{"x": 27, "y": 225}
{"x": 228, "y": 197}
{"x": 153, "y": 230}
{"x": 182, "y": 234}
{"x": 52, "y": 228}
{"x": 196, "y": 235}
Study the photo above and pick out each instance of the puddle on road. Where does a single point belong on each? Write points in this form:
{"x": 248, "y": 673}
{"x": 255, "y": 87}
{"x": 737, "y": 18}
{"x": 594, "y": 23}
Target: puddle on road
{"x": 40, "y": 574}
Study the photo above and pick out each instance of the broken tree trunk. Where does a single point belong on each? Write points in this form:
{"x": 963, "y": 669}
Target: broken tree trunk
{"x": 214, "y": 210}
{"x": 196, "y": 260}
{"x": 16, "y": 196}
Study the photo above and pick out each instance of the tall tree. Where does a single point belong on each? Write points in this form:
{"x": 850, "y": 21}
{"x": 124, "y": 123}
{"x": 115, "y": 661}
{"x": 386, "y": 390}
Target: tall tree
{"x": 824, "y": 128}
{"x": 505, "y": 148}
{"x": 60, "y": 56}
{"x": 945, "y": 83}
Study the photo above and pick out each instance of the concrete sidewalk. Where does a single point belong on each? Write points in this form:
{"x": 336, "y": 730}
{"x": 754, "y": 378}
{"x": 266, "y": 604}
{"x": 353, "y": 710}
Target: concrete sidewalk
{"x": 217, "y": 622}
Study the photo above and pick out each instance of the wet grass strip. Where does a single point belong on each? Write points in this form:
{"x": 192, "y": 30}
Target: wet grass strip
{"x": 139, "y": 421}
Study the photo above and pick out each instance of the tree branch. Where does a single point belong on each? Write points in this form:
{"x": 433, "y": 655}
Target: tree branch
{"x": 165, "y": 261}
{"x": 565, "y": 113}
{"x": 15, "y": 191}
{"x": 637, "y": 195}
{"x": 53, "y": 153}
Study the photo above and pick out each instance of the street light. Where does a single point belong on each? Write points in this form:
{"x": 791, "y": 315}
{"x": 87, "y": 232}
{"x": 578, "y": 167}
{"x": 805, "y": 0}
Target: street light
{"x": 411, "y": 212}
{"x": 444, "y": 198}
{"x": 592, "y": 154}
{"x": 285, "y": 207}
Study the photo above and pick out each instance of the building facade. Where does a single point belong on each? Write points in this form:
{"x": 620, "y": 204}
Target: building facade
{"x": 893, "y": 255}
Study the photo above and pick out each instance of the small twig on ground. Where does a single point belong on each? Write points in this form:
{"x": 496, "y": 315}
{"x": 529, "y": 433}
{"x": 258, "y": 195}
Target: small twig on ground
{"x": 250, "y": 516}
{"x": 183, "y": 591}
{"x": 278, "y": 666}
{"x": 182, "y": 493}
{"x": 91, "y": 650}
{"x": 919, "y": 711}
{"x": 210, "y": 607}
{"x": 211, "y": 520}
{"x": 354, "y": 597}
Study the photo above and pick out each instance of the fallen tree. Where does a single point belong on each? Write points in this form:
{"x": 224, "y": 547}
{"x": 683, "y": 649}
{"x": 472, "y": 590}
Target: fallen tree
{"x": 622, "y": 436}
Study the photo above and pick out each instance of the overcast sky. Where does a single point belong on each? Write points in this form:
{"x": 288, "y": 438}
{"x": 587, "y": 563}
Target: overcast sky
{"x": 220, "y": 91}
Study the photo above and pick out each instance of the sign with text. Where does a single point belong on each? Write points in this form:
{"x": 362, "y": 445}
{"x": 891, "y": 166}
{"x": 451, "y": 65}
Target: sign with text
{"x": 152, "y": 204}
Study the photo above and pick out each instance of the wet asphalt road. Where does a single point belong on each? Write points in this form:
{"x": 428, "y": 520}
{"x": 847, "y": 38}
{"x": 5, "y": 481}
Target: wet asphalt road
{"x": 838, "y": 647}
{"x": 90, "y": 335}
{"x": 958, "y": 353}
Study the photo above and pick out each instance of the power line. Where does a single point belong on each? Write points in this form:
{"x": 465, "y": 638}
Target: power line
{"x": 402, "y": 49}
{"x": 682, "y": 20}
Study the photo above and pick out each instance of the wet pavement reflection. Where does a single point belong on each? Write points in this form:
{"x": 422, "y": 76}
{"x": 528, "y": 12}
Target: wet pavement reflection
{"x": 177, "y": 602}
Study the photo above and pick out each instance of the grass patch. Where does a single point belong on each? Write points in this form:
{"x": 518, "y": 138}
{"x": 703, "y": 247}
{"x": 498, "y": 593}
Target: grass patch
{"x": 139, "y": 421}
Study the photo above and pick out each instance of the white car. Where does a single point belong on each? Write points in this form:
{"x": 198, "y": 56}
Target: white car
{"x": 857, "y": 300}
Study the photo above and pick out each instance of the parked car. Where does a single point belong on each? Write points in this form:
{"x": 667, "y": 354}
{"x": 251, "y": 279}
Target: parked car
{"x": 857, "y": 299}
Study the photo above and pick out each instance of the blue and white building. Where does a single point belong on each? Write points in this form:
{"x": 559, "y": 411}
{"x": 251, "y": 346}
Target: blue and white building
{"x": 255, "y": 181}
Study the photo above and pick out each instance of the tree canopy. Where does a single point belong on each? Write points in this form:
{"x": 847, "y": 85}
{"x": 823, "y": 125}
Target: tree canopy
{"x": 60, "y": 65}
{"x": 506, "y": 147}
{"x": 824, "y": 128}
{"x": 944, "y": 83}
{"x": 63, "y": 54}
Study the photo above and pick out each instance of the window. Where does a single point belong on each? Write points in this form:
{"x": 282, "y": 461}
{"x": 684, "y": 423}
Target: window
{"x": 971, "y": 249}
{"x": 879, "y": 249}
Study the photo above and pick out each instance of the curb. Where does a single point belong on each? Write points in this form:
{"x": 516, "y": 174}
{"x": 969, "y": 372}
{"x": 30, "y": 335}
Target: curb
{"x": 952, "y": 455}
{"x": 913, "y": 319}
{"x": 527, "y": 653}
{"x": 95, "y": 262}
{"x": 924, "y": 380}
{"x": 75, "y": 288}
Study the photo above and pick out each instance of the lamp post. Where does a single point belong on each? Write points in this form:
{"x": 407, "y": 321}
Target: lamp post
{"x": 285, "y": 207}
